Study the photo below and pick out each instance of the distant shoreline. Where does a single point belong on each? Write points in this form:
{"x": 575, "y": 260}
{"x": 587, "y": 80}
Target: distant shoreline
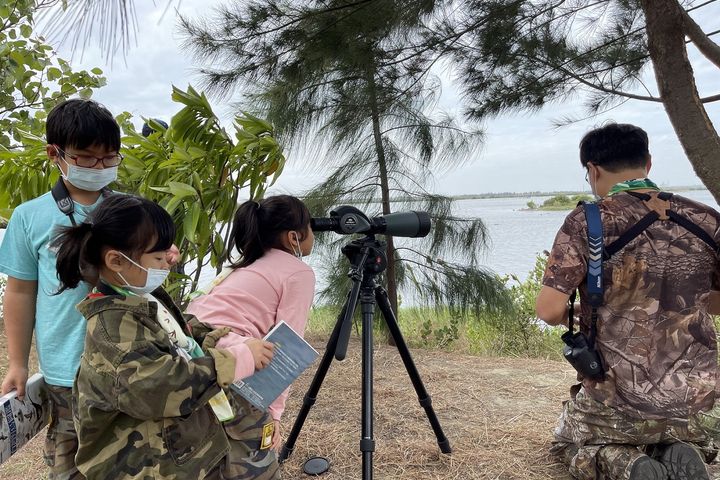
{"x": 478, "y": 196}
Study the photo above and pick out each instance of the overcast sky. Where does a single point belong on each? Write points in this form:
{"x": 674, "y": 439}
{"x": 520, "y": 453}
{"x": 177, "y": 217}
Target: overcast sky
{"x": 522, "y": 152}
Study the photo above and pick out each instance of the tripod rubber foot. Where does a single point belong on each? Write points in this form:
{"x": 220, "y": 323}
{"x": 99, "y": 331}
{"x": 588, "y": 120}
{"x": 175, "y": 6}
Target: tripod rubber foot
{"x": 445, "y": 446}
{"x": 284, "y": 454}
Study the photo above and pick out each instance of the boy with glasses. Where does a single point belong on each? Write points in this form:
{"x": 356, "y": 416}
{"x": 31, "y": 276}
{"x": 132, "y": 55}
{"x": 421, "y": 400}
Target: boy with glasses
{"x": 83, "y": 143}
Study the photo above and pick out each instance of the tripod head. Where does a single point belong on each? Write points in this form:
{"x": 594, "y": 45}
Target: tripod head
{"x": 367, "y": 255}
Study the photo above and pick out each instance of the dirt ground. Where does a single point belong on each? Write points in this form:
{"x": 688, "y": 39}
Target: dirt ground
{"x": 498, "y": 414}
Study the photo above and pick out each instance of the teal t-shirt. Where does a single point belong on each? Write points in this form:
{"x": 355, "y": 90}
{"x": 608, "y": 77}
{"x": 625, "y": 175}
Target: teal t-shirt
{"x": 25, "y": 255}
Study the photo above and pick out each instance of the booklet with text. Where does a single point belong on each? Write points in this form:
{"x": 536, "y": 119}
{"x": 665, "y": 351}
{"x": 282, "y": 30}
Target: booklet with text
{"x": 21, "y": 420}
{"x": 291, "y": 356}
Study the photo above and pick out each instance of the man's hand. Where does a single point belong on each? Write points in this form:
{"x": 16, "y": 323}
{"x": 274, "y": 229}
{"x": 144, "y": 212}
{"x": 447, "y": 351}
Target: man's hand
{"x": 261, "y": 350}
{"x": 15, "y": 379}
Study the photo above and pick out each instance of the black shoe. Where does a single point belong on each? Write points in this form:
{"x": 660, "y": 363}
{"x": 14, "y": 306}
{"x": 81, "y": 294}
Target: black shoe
{"x": 683, "y": 462}
{"x": 645, "y": 468}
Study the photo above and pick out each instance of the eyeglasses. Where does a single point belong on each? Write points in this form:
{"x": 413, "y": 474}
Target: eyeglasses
{"x": 587, "y": 175}
{"x": 89, "y": 161}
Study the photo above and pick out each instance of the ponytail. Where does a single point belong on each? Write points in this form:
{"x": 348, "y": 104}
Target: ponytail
{"x": 257, "y": 226}
{"x": 245, "y": 234}
{"x": 71, "y": 243}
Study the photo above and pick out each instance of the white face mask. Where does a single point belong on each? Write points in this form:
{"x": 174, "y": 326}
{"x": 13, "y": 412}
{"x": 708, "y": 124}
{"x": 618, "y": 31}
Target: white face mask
{"x": 89, "y": 179}
{"x": 155, "y": 278}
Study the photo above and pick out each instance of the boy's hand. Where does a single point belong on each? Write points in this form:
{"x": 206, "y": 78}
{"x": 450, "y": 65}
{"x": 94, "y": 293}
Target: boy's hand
{"x": 15, "y": 379}
{"x": 172, "y": 255}
{"x": 261, "y": 350}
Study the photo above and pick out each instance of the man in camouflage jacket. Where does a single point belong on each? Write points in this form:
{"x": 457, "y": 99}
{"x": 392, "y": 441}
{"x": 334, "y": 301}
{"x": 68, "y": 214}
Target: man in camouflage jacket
{"x": 142, "y": 409}
{"x": 654, "y": 414}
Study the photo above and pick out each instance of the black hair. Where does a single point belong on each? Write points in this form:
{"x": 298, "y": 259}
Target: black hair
{"x": 130, "y": 224}
{"x": 615, "y": 147}
{"x": 257, "y": 226}
{"x": 80, "y": 124}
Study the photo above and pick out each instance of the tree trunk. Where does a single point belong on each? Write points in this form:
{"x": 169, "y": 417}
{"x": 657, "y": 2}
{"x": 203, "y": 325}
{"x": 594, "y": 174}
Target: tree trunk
{"x": 676, "y": 83}
{"x": 385, "y": 194}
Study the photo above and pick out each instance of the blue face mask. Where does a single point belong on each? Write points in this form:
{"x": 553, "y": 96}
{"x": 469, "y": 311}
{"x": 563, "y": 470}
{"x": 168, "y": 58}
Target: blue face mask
{"x": 155, "y": 278}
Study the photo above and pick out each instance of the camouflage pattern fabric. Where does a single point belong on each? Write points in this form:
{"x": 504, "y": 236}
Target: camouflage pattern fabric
{"x": 61, "y": 442}
{"x": 599, "y": 442}
{"x": 654, "y": 332}
{"x": 246, "y": 459}
{"x": 142, "y": 410}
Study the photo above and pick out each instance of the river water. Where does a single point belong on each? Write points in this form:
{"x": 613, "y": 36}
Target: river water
{"x": 518, "y": 235}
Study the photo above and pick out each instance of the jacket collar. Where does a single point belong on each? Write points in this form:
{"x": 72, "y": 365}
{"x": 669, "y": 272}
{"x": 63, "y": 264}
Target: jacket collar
{"x": 92, "y": 306}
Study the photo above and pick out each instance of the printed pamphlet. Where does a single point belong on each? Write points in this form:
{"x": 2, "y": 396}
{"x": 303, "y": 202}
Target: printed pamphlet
{"x": 291, "y": 356}
{"x": 21, "y": 420}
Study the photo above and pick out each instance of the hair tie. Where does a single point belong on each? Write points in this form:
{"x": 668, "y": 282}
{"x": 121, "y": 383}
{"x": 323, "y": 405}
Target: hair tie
{"x": 257, "y": 205}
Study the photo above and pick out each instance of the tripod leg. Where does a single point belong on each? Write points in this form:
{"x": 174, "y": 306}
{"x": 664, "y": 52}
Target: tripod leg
{"x": 311, "y": 395}
{"x": 423, "y": 397}
{"x": 367, "y": 443}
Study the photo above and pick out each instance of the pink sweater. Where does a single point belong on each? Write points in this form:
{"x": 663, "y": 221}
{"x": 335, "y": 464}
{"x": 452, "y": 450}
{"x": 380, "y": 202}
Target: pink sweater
{"x": 251, "y": 300}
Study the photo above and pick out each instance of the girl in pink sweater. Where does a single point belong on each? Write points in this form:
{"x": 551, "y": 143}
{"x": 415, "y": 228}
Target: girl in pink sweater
{"x": 269, "y": 282}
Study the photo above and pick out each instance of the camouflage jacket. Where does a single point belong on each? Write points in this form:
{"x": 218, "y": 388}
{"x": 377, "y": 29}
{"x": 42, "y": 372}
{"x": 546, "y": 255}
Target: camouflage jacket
{"x": 655, "y": 335}
{"x": 141, "y": 410}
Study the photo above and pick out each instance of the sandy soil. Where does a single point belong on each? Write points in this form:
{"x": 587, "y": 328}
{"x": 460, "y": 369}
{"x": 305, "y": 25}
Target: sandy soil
{"x": 498, "y": 414}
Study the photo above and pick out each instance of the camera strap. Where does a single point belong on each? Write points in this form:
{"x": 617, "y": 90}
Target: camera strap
{"x": 65, "y": 204}
{"x": 594, "y": 280}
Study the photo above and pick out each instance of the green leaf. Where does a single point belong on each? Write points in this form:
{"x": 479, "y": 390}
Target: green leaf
{"x": 191, "y": 220}
{"x": 182, "y": 190}
{"x": 53, "y": 73}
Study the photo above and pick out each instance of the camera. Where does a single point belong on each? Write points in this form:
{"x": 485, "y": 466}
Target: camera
{"x": 584, "y": 358}
{"x": 347, "y": 220}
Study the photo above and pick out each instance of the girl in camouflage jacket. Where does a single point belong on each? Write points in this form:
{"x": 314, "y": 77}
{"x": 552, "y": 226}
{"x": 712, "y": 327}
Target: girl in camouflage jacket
{"x": 148, "y": 398}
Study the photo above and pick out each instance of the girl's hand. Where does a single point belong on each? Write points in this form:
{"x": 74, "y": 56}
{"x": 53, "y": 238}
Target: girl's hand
{"x": 277, "y": 437}
{"x": 261, "y": 350}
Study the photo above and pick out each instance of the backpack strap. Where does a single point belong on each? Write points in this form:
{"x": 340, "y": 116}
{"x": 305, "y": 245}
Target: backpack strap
{"x": 659, "y": 210}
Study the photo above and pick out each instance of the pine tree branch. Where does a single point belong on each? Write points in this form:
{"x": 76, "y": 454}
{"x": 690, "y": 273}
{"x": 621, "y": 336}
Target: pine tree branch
{"x": 301, "y": 18}
{"x": 707, "y": 47}
{"x": 443, "y": 127}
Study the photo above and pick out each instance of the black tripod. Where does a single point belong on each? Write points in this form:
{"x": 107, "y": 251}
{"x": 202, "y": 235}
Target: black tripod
{"x": 368, "y": 259}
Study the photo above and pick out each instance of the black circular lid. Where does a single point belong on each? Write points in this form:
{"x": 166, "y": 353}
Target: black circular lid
{"x": 316, "y": 466}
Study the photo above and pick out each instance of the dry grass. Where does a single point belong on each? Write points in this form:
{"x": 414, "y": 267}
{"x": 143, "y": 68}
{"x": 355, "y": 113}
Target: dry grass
{"x": 498, "y": 414}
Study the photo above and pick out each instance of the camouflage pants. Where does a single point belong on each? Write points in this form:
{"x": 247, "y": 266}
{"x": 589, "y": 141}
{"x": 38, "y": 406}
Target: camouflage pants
{"x": 246, "y": 459}
{"x": 61, "y": 442}
{"x": 598, "y": 442}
